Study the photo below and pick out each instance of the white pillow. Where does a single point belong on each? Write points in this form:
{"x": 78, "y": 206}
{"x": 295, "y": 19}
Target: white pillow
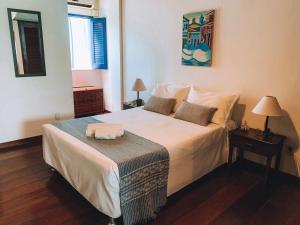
{"x": 178, "y": 91}
{"x": 223, "y": 102}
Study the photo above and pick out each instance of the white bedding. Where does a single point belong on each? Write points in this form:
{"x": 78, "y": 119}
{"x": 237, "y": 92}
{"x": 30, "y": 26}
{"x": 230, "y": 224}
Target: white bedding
{"x": 194, "y": 151}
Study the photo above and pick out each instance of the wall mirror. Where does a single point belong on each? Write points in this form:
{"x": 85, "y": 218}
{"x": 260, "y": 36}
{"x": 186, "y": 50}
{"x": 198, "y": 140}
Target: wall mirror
{"x": 27, "y": 42}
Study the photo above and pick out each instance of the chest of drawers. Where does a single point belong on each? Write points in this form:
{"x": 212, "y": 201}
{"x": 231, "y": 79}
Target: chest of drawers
{"x": 88, "y": 101}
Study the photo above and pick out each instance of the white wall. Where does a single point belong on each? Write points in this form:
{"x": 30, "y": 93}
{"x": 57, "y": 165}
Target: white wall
{"x": 256, "y": 52}
{"x": 27, "y": 103}
{"x": 111, "y": 78}
{"x": 87, "y": 78}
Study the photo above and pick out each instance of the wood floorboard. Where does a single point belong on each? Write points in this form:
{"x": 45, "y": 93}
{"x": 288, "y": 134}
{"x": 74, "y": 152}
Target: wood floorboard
{"x": 31, "y": 194}
{"x": 20, "y": 162}
{"x": 189, "y": 198}
{"x": 294, "y": 218}
{"x": 240, "y": 212}
{"x": 279, "y": 208}
{"x": 221, "y": 200}
{"x": 31, "y": 150}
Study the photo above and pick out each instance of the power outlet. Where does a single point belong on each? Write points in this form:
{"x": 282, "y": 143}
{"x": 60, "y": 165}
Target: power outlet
{"x": 57, "y": 116}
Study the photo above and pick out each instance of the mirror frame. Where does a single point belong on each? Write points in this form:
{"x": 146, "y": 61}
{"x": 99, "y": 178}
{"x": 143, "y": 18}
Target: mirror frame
{"x": 9, "y": 11}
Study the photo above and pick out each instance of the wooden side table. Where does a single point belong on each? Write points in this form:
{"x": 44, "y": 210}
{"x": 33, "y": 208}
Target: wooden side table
{"x": 253, "y": 141}
{"x": 130, "y": 105}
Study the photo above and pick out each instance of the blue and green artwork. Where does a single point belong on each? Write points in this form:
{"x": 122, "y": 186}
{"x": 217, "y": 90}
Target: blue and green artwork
{"x": 197, "y": 36}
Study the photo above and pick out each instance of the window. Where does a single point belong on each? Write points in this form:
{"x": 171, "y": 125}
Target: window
{"x": 88, "y": 43}
{"x": 80, "y": 43}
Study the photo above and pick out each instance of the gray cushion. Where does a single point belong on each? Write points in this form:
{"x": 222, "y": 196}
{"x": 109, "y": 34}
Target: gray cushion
{"x": 198, "y": 114}
{"x": 160, "y": 105}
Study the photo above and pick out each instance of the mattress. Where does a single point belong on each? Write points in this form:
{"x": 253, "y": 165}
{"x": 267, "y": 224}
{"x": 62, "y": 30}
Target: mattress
{"x": 194, "y": 151}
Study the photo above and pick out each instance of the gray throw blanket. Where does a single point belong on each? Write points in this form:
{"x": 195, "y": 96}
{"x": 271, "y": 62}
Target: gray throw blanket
{"x": 143, "y": 169}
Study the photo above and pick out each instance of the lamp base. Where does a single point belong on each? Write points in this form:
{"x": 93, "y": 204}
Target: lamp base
{"x": 267, "y": 131}
{"x": 139, "y": 102}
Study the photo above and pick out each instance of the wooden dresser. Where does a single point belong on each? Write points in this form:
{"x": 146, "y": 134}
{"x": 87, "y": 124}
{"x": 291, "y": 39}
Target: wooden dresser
{"x": 88, "y": 101}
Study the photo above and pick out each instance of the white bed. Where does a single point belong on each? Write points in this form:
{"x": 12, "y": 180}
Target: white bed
{"x": 194, "y": 151}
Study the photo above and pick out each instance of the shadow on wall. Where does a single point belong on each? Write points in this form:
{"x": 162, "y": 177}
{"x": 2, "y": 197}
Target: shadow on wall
{"x": 285, "y": 126}
{"x": 238, "y": 113}
{"x": 33, "y": 127}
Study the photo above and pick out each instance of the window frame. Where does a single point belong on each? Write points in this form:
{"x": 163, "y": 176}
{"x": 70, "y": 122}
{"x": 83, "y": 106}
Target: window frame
{"x": 93, "y": 20}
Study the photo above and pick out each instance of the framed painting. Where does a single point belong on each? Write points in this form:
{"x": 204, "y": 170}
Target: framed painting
{"x": 197, "y": 38}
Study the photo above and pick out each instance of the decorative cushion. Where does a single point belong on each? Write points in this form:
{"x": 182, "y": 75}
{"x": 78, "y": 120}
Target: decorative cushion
{"x": 223, "y": 102}
{"x": 160, "y": 105}
{"x": 177, "y": 91}
{"x": 198, "y": 114}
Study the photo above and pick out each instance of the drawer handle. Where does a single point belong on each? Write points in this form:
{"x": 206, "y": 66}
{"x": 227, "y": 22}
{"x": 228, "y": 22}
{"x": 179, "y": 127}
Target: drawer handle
{"x": 248, "y": 145}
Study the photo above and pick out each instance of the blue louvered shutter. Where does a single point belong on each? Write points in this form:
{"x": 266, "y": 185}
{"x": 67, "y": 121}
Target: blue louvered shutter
{"x": 99, "y": 43}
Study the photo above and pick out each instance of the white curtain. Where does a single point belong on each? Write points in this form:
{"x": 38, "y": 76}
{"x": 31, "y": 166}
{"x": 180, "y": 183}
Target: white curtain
{"x": 80, "y": 43}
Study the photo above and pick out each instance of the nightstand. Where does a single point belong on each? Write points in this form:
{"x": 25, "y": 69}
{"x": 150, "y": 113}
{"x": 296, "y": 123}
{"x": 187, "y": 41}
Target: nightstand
{"x": 254, "y": 141}
{"x": 131, "y": 104}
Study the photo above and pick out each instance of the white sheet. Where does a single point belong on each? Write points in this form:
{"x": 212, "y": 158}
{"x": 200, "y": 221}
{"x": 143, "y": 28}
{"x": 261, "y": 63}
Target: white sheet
{"x": 194, "y": 151}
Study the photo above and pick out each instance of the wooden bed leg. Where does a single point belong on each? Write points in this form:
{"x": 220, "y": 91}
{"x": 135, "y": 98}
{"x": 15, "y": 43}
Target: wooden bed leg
{"x": 111, "y": 221}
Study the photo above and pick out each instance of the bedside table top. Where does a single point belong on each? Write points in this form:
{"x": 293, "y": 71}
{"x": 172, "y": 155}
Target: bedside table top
{"x": 132, "y": 103}
{"x": 85, "y": 88}
{"x": 257, "y": 135}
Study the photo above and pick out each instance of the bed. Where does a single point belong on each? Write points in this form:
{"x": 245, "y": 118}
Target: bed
{"x": 194, "y": 151}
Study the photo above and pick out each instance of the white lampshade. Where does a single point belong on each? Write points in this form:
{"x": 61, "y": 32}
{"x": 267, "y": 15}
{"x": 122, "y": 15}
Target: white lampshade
{"x": 139, "y": 85}
{"x": 268, "y": 106}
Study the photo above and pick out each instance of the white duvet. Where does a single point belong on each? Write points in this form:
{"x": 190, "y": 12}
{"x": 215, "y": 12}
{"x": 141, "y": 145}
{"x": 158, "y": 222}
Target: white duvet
{"x": 194, "y": 151}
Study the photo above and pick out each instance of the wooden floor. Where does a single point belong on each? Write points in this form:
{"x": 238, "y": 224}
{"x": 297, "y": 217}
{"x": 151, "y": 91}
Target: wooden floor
{"x": 30, "y": 193}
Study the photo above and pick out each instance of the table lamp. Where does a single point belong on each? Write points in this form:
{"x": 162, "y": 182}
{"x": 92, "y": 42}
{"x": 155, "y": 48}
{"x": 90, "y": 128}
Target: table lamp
{"x": 267, "y": 106}
{"x": 139, "y": 86}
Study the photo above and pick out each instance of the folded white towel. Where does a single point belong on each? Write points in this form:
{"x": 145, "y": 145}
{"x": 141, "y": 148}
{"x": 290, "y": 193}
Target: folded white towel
{"x": 91, "y": 129}
{"x": 104, "y": 130}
